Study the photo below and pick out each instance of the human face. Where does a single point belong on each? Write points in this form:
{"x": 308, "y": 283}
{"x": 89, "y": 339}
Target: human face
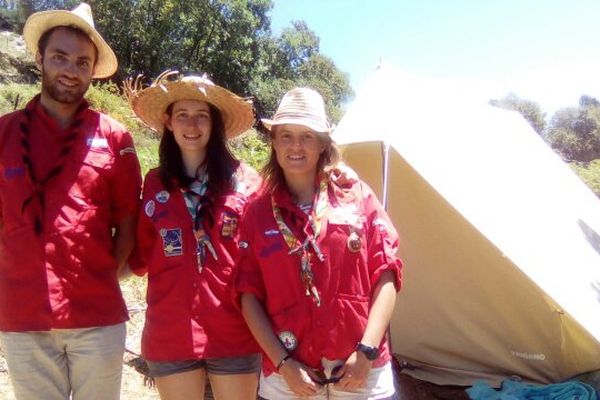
{"x": 297, "y": 149}
{"x": 67, "y": 67}
{"x": 191, "y": 124}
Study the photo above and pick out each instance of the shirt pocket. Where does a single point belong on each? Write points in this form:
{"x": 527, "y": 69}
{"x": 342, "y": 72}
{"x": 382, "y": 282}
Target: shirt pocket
{"x": 347, "y": 258}
{"x": 90, "y": 178}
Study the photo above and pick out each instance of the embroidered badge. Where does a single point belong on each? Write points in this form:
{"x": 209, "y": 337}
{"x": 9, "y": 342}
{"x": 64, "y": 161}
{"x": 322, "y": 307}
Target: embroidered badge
{"x": 100, "y": 143}
{"x": 172, "y": 244}
{"x": 127, "y": 150}
{"x": 149, "y": 208}
{"x": 288, "y": 340}
{"x": 230, "y": 223}
{"x": 272, "y": 232}
{"x": 14, "y": 172}
{"x": 162, "y": 196}
{"x": 354, "y": 242}
{"x": 243, "y": 244}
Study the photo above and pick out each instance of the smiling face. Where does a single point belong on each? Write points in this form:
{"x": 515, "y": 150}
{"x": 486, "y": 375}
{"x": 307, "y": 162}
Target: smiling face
{"x": 67, "y": 65}
{"x": 297, "y": 149}
{"x": 191, "y": 124}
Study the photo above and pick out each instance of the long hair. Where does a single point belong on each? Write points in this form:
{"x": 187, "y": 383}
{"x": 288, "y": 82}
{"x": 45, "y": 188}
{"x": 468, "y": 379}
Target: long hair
{"x": 272, "y": 172}
{"x": 220, "y": 163}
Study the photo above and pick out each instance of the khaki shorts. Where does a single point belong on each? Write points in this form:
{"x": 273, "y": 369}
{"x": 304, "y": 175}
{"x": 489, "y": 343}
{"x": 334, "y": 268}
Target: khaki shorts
{"x": 55, "y": 365}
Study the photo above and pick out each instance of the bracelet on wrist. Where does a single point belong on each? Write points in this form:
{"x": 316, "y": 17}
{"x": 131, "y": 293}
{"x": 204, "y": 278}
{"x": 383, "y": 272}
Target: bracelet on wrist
{"x": 283, "y": 361}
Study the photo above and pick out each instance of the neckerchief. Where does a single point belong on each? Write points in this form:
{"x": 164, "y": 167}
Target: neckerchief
{"x": 195, "y": 200}
{"x": 312, "y": 229}
{"x": 40, "y": 183}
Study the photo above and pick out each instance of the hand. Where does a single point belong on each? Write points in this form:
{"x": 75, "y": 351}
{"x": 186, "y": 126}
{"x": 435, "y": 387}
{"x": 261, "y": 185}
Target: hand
{"x": 297, "y": 377}
{"x": 343, "y": 175}
{"x": 354, "y": 372}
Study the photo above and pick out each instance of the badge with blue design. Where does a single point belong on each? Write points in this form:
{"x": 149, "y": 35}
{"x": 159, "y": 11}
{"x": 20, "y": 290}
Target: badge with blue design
{"x": 230, "y": 223}
{"x": 172, "y": 244}
{"x": 162, "y": 196}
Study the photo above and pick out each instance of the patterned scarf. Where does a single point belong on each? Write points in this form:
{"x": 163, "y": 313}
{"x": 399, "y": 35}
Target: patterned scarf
{"x": 312, "y": 230}
{"x": 196, "y": 201}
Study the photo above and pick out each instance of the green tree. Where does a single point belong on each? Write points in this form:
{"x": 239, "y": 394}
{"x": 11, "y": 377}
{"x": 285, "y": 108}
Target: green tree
{"x": 530, "y": 110}
{"x": 574, "y": 132}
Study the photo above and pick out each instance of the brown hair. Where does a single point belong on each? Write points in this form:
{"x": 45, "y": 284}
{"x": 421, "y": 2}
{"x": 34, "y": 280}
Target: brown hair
{"x": 220, "y": 163}
{"x": 43, "y": 42}
{"x": 272, "y": 172}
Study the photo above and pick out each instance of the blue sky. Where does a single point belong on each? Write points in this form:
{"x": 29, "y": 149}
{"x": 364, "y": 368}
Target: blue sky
{"x": 546, "y": 51}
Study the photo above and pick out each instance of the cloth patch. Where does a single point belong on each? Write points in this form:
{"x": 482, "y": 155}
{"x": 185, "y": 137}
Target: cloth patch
{"x": 162, "y": 196}
{"x": 288, "y": 340}
{"x": 149, "y": 208}
{"x": 100, "y": 143}
{"x": 127, "y": 150}
{"x": 172, "y": 244}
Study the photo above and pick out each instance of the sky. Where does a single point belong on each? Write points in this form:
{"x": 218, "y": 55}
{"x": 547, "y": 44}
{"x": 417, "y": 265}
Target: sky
{"x": 547, "y": 51}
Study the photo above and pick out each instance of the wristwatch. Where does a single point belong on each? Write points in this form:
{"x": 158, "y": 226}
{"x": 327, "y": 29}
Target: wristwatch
{"x": 370, "y": 352}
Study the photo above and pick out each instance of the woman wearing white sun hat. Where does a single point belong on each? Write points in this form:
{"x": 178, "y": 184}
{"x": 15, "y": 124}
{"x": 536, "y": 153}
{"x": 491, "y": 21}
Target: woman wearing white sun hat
{"x": 187, "y": 240}
{"x": 318, "y": 273}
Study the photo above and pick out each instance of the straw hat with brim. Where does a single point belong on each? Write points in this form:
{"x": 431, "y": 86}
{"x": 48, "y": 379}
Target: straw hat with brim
{"x": 301, "y": 106}
{"x": 150, "y": 104}
{"x": 80, "y": 17}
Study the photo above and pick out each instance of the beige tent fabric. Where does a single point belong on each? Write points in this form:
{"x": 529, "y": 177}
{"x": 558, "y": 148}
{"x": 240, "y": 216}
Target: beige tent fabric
{"x": 500, "y": 239}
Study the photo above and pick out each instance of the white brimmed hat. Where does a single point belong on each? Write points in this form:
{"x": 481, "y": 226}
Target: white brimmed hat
{"x": 150, "y": 104}
{"x": 80, "y": 17}
{"x": 301, "y": 106}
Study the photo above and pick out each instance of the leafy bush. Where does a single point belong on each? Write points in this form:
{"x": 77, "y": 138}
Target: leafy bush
{"x": 14, "y": 96}
{"x": 589, "y": 173}
{"x": 251, "y": 148}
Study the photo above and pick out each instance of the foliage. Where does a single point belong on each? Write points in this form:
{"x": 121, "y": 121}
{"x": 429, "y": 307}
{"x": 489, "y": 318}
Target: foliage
{"x": 14, "y": 96}
{"x": 574, "y": 132}
{"x": 252, "y": 148}
{"x": 589, "y": 173}
{"x": 530, "y": 110}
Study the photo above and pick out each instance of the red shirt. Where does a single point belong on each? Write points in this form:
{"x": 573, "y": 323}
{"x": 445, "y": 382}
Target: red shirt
{"x": 65, "y": 276}
{"x": 191, "y": 314}
{"x": 345, "y": 280}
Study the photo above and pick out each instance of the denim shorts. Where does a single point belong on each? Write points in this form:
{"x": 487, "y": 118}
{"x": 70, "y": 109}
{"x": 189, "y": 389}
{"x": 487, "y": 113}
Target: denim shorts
{"x": 216, "y": 366}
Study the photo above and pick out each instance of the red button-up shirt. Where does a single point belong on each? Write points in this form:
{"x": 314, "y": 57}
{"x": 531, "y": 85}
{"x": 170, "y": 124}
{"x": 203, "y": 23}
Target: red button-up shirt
{"x": 345, "y": 280}
{"x": 64, "y": 277}
{"x": 191, "y": 313}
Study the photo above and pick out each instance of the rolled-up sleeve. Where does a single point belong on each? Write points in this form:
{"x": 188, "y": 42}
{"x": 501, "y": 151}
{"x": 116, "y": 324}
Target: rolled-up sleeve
{"x": 383, "y": 240}
{"x": 248, "y": 277}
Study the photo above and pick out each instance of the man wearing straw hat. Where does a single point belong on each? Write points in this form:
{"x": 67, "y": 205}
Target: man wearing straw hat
{"x": 69, "y": 190}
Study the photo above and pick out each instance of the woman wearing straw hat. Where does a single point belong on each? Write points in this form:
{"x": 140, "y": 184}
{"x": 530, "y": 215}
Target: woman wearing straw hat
{"x": 188, "y": 240}
{"x": 318, "y": 274}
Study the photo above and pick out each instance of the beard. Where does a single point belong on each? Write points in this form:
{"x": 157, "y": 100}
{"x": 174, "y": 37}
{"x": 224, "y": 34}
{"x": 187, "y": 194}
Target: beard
{"x": 62, "y": 94}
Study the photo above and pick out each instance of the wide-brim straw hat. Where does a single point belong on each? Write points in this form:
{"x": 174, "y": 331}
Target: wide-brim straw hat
{"x": 150, "y": 104}
{"x": 80, "y": 17}
{"x": 301, "y": 106}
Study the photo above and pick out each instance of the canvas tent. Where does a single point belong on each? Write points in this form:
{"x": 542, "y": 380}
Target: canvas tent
{"x": 501, "y": 241}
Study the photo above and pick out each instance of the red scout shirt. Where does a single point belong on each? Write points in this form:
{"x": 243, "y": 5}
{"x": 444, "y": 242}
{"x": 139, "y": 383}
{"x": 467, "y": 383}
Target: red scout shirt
{"x": 65, "y": 276}
{"x": 345, "y": 280}
{"x": 191, "y": 313}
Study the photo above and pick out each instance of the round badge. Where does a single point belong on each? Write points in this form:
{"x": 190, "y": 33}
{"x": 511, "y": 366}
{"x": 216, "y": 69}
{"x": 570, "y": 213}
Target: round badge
{"x": 354, "y": 242}
{"x": 243, "y": 244}
{"x": 162, "y": 196}
{"x": 288, "y": 340}
{"x": 149, "y": 208}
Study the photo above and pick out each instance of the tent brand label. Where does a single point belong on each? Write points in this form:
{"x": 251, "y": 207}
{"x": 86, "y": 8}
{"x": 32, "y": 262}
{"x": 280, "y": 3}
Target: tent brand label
{"x": 529, "y": 356}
